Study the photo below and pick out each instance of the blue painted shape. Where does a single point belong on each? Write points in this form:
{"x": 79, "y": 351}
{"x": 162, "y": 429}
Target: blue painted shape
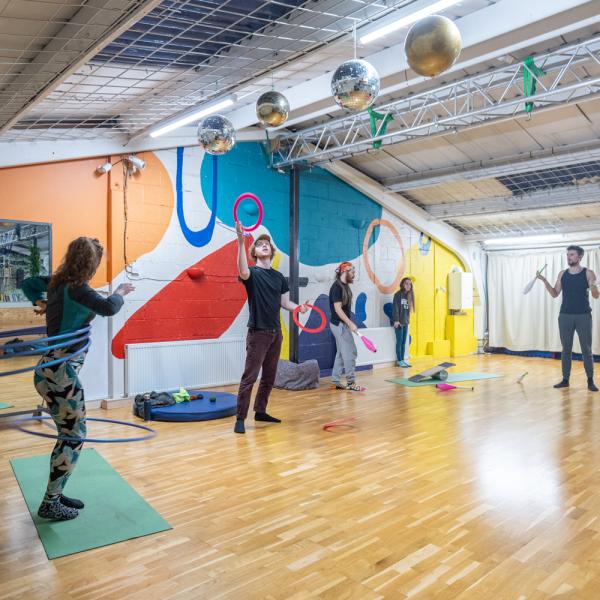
{"x": 202, "y": 237}
{"x": 198, "y": 410}
{"x": 333, "y": 215}
{"x": 249, "y": 207}
{"x": 387, "y": 309}
{"x": 361, "y": 307}
{"x": 424, "y": 244}
{"x": 320, "y": 346}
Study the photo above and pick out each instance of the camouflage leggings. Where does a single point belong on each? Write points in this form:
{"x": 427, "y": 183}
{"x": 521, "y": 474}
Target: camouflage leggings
{"x": 60, "y": 387}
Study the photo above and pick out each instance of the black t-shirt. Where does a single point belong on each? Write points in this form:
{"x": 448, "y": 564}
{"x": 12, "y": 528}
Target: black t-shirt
{"x": 264, "y": 288}
{"x": 336, "y": 294}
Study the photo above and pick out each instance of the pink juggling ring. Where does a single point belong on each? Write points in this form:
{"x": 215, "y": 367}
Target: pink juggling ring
{"x": 310, "y": 329}
{"x": 258, "y": 204}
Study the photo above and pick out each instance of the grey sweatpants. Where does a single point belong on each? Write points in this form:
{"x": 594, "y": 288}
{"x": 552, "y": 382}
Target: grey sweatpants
{"x": 567, "y": 326}
{"x": 345, "y": 358}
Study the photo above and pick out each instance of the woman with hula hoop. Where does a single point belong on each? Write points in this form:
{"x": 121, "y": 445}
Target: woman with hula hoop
{"x": 70, "y": 306}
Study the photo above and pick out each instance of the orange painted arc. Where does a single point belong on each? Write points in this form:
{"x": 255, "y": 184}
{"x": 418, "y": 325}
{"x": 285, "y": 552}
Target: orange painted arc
{"x": 389, "y": 288}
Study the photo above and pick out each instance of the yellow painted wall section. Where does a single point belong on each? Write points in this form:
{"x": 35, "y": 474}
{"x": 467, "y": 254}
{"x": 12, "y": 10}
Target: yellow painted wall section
{"x": 428, "y": 326}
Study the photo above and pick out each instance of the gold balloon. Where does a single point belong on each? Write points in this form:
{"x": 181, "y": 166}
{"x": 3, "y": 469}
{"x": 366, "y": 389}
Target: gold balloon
{"x": 432, "y": 45}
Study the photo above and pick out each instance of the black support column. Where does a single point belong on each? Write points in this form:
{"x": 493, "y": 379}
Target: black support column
{"x": 294, "y": 280}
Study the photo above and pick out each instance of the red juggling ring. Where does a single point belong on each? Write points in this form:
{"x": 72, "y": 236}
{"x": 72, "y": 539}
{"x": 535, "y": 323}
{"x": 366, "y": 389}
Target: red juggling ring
{"x": 310, "y": 329}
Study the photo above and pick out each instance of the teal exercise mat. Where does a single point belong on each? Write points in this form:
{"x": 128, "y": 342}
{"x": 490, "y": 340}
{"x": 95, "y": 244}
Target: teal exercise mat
{"x": 5, "y": 405}
{"x": 452, "y": 378}
{"x": 114, "y": 511}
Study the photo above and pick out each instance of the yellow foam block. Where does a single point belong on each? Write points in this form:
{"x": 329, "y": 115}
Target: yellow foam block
{"x": 438, "y": 348}
{"x": 459, "y": 331}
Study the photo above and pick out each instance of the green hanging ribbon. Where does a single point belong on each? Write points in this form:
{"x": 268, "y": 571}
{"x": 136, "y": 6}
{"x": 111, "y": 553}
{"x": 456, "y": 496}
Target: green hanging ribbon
{"x": 530, "y": 74}
{"x": 375, "y": 116}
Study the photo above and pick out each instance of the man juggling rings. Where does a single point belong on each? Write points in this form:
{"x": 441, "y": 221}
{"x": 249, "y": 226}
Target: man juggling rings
{"x": 268, "y": 292}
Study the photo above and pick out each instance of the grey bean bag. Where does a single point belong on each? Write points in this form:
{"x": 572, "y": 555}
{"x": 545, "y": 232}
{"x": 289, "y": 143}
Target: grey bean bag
{"x": 292, "y": 376}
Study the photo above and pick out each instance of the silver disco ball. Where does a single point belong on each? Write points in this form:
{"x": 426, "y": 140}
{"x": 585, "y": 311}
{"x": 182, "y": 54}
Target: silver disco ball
{"x": 272, "y": 109}
{"x": 355, "y": 84}
{"x": 216, "y": 134}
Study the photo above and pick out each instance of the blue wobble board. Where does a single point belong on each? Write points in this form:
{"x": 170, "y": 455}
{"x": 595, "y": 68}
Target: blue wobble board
{"x": 198, "y": 410}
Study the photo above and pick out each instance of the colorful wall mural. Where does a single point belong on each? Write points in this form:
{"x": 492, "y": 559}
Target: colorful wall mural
{"x": 172, "y": 224}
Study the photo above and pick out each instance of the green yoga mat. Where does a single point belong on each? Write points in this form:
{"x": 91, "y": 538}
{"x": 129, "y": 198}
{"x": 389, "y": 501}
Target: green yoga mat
{"x": 452, "y": 378}
{"x": 113, "y": 511}
{"x": 5, "y": 405}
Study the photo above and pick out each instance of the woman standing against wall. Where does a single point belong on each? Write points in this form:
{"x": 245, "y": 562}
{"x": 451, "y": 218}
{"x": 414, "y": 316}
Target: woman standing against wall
{"x": 403, "y": 305}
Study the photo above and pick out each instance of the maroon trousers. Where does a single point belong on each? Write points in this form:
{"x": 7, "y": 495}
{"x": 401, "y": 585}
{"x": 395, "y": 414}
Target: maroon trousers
{"x": 263, "y": 347}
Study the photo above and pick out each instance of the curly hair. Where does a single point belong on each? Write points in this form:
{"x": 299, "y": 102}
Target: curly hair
{"x": 79, "y": 264}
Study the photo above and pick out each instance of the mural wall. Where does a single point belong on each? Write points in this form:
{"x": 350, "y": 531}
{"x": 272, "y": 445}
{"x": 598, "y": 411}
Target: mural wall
{"x": 172, "y": 225}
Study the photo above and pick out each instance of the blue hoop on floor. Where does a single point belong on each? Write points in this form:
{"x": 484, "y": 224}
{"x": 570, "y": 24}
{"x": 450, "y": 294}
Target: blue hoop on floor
{"x": 66, "y": 438}
{"x": 51, "y": 363}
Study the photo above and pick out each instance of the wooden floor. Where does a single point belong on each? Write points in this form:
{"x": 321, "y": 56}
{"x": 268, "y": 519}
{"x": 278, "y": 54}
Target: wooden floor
{"x": 491, "y": 494}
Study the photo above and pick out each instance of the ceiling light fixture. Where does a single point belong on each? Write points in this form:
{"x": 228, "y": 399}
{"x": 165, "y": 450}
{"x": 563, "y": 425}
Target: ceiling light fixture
{"x": 524, "y": 240}
{"x": 407, "y": 20}
{"x": 196, "y": 115}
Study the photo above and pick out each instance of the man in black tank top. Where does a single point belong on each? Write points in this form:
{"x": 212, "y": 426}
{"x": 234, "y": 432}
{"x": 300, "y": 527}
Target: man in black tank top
{"x": 575, "y": 313}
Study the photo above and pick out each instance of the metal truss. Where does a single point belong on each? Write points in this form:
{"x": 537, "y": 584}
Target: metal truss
{"x": 572, "y": 73}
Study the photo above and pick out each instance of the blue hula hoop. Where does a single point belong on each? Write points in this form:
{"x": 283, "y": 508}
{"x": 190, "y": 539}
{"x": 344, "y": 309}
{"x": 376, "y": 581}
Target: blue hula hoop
{"x": 26, "y": 331}
{"x": 51, "y": 363}
{"x": 65, "y": 438}
{"x": 52, "y": 338}
{"x": 44, "y": 349}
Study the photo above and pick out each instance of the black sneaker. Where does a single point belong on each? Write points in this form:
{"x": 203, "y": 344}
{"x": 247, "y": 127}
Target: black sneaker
{"x": 266, "y": 417}
{"x": 563, "y": 384}
{"x": 71, "y": 502}
{"x": 592, "y": 386}
{"x": 56, "y": 510}
{"x": 239, "y": 426}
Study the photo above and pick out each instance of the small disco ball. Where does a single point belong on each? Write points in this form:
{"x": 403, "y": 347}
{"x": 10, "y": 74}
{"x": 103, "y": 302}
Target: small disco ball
{"x": 432, "y": 45}
{"x": 272, "y": 109}
{"x": 216, "y": 134}
{"x": 355, "y": 84}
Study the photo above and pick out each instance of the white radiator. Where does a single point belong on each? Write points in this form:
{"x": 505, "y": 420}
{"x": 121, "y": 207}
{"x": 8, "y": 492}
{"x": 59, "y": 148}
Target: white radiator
{"x": 384, "y": 339}
{"x": 194, "y": 363}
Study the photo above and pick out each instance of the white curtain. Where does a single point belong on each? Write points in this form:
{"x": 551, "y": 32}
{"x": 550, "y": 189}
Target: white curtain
{"x": 530, "y": 322}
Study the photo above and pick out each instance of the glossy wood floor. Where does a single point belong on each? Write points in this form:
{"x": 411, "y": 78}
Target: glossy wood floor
{"x": 491, "y": 494}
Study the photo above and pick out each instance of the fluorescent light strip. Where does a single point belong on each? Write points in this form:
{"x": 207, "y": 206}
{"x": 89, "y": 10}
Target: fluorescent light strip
{"x": 195, "y": 116}
{"x": 408, "y": 20}
{"x": 528, "y": 239}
